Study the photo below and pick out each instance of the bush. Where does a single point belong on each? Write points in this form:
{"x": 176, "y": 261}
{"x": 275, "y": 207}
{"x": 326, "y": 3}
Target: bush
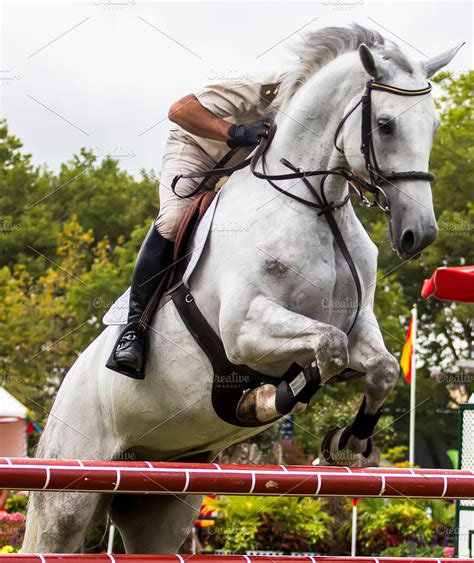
{"x": 386, "y": 524}
{"x": 12, "y": 528}
{"x": 275, "y": 523}
{"x": 16, "y": 503}
{"x": 408, "y": 549}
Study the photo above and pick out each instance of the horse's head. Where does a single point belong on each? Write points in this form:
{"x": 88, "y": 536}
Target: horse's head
{"x": 402, "y": 126}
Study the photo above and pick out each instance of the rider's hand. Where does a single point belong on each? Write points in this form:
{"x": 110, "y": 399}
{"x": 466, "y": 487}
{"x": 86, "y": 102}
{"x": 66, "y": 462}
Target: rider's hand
{"x": 247, "y": 135}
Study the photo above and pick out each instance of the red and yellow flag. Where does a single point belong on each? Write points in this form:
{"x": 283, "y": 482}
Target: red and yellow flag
{"x": 407, "y": 353}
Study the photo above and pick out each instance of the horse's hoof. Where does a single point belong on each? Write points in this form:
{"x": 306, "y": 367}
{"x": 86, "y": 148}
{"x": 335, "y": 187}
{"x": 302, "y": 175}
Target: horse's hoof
{"x": 258, "y": 405}
{"x": 326, "y": 454}
{"x": 333, "y": 453}
{"x": 368, "y": 449}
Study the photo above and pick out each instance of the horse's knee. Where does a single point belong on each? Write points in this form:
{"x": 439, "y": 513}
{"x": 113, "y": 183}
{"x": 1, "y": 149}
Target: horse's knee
{"x": 331, "y": 352}
{"x": 382, "y": 373}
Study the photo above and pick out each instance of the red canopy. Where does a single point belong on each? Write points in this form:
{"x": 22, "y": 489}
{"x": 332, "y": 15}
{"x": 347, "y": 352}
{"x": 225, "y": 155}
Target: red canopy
{"x": 451, "y": 284}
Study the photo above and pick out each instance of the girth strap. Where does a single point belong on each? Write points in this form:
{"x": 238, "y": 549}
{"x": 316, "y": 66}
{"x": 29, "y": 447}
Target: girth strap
{"x": 211, "y": 344}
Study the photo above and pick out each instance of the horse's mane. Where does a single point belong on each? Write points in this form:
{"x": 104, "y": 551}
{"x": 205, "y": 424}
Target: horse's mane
{"x": 318, "y": 48}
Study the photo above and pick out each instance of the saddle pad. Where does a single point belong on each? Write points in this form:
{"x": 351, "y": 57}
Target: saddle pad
{"x": 118, "y": 313}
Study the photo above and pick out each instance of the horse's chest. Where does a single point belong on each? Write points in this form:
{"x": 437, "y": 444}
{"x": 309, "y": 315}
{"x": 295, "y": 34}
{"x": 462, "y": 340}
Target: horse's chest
{"x": 317, "y": 279}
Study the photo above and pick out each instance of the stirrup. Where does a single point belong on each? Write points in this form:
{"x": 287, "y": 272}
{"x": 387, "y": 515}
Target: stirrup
{"x": 121, "y": 368}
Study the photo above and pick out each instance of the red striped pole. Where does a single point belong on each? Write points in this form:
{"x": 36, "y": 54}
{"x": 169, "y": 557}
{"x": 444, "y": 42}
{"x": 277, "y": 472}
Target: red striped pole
{"x": 197, "y": 478}
{"x": 36, "y": 558}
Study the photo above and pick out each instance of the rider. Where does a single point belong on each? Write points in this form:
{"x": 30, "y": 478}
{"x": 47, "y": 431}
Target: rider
{"x": 231, "y": 114}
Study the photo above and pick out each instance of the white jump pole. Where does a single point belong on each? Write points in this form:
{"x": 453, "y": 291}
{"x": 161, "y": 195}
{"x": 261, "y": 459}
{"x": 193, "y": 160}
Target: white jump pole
{"x": 110, "y": 545}
{"x": 354, "y": 527}
{"x": 413, "y": 388}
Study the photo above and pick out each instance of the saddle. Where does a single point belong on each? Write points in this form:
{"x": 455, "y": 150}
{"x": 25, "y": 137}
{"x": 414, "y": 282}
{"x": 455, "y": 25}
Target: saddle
{"x": 195, "y": 212}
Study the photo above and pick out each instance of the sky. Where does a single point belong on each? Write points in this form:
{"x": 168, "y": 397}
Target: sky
{"x": 102, "y": 74}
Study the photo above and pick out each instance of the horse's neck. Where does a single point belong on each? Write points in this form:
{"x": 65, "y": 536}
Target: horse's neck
{"x": 306, "y": 127}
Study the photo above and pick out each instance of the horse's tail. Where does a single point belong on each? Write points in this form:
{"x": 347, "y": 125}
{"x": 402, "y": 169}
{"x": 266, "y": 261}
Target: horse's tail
{"x": 31, "y": 533}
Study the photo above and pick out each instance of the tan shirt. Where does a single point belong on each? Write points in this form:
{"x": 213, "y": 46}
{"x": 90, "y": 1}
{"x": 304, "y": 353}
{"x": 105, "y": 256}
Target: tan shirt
{"x": 238, "y": 101}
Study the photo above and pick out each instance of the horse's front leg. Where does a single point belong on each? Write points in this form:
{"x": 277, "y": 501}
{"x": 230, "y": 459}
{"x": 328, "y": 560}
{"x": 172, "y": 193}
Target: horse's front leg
{"x": 270, "y": 338}
{"x": 368, "y": 354}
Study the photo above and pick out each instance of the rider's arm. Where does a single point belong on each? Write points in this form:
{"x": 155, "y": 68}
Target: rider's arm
{"x": 193, "y": 117}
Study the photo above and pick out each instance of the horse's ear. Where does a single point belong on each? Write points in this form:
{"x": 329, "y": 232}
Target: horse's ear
{"x": 432, "y": 65}
{"x": 370, "y": 62}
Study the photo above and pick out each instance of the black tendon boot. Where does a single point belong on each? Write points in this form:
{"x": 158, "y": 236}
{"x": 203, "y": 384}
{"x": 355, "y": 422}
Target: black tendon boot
{"x": 129, "y": 354}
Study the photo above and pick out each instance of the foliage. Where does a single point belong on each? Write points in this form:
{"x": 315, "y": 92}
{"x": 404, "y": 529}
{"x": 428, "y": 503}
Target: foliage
{"x": 396, "y": 456}
{"x": 12, "y": 522}
{"x": 408, "y": 549}
{"x": 272, "y": 523}
{"x": 11, "y": 528}
{"x": 16, "y": 503}
{"x": 236, "y": 529}
{"x": 442, "y": 514}
{"x": 391, "y": 523}
{"x": 68, "y": 244}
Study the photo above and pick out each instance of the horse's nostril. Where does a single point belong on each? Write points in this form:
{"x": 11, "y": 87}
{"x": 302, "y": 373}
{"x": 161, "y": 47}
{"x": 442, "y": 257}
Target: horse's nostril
{"x": 407, "y": 242}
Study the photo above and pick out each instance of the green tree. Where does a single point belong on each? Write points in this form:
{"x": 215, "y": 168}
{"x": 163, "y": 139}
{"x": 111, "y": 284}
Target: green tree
{"x": 68, "y": 245}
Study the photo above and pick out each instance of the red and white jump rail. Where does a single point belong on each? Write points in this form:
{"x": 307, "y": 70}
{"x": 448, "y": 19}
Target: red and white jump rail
{"x": 36, "y": 558}
{"x": 212, "y": 478}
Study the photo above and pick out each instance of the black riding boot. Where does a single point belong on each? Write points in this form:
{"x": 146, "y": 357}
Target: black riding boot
{"x": 154, "y": 258}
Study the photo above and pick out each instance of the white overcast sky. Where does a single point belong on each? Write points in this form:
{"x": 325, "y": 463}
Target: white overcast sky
{"x": 103, "y": 73}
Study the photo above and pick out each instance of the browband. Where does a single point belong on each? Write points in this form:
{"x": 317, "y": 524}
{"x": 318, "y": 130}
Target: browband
{"x": 399, "y": 91}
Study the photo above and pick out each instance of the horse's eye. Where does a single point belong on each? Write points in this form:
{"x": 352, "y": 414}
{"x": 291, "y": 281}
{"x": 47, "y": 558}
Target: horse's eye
{"x": 385, "y": 125}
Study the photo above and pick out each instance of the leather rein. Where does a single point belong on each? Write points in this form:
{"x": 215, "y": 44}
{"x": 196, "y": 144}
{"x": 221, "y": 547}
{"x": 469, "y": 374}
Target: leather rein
{"x": 320, "y": 202}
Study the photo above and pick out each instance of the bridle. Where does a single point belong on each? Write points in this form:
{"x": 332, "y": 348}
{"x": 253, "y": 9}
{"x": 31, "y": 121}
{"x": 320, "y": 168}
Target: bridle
{"x": 376, "y": 176}
{"x": 320, "y": 201}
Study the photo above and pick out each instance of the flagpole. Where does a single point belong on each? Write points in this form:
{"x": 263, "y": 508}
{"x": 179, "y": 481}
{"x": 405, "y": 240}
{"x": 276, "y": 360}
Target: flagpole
{"x": 413, "y": 388}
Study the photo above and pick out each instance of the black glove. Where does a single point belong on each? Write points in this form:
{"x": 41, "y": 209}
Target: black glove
{"x": 247, "y": 135}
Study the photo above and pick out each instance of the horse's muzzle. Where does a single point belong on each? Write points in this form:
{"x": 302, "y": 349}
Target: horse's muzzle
{"x": 412, "y": 242}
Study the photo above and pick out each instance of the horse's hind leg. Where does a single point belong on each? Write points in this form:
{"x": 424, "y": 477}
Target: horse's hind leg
{"x": 154, "y": 524}
{"x": 58, "y": 521}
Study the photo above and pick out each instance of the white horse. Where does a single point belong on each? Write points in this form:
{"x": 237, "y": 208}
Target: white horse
{"x": 268, "y": 292}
